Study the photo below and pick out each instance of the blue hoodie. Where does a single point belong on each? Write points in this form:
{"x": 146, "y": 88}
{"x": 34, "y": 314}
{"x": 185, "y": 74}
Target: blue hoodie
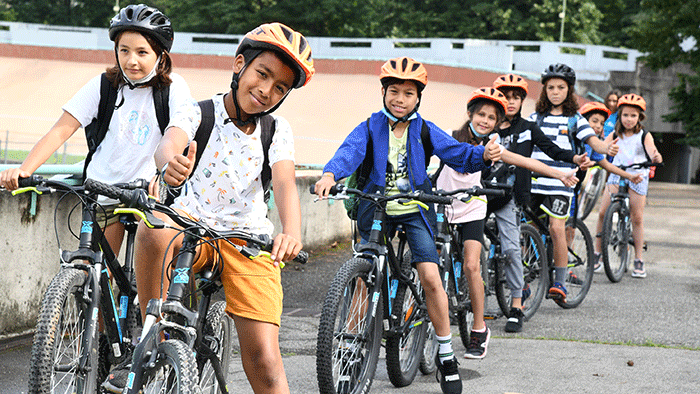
{"x": 462, "y": 157}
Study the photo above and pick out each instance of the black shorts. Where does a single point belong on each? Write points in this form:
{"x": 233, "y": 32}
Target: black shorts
{"x": 473, "y": 230}
{"x": 556, "y": 206}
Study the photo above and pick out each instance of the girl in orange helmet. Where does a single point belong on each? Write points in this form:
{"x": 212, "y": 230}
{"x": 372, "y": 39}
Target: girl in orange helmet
{"x": 636, "y": 146}
{"x": 486, "y": 109}
{"x": 397, "y": 134}
{"x": 271, "y": 60}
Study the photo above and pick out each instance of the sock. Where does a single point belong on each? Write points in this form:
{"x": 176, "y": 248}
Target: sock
{"x": 445, "y": 351}
{"x": 480, "y": 331}
{"x": 560, "y": 274}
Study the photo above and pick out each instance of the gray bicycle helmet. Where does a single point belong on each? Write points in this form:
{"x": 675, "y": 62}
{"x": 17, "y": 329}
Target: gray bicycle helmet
{"x": 559, "y": 71}
{"x": 144, "y": 19}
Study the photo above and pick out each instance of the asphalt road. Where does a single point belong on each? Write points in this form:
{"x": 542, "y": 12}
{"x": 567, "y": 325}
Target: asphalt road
{"x": 636, "y": 336}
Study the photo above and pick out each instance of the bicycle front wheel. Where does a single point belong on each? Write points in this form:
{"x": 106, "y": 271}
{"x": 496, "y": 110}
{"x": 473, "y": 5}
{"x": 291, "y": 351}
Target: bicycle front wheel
{"x": 59, "y": 339}
{"x": 174, "y": 372}
{"x": 349, "y": 333}
{"x": 535, "y": 263}
{"x": 404, "y": 347}
{"x": 615, "y": 243}
{"x": 580, "y": 265}
{"x": 218, "y": 336}
{"x": 591, "y": 192}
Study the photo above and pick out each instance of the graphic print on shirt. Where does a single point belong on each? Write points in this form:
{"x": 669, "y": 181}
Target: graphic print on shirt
{"x": 397, "y": 178}
{"x": 136, "y": 128}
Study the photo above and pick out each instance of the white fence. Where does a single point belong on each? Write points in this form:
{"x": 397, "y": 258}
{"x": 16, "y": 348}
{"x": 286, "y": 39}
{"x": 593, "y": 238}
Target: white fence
{"x": 591, "y": 62}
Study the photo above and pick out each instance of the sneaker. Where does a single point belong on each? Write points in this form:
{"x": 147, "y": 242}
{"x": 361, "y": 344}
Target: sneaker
{"x": 448, "y": 376}
{"x": 598, "y": 267}
{"x": 557, "y": 292}
{"x": 116, "y": 380}
{"x": 515, "y": 321}
{"x": 639, "y": 271}
{"x": 478, "y": 344}
{"x": 526, "y": 293}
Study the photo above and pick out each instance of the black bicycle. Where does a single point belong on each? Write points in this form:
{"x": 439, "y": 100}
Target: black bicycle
{"x": 617, "y": 228}
{"x": 70, "y": 353}
{"x": 376, "y": 293}
{"x": 580, "y": 257}
{"x": 195, "y": 356}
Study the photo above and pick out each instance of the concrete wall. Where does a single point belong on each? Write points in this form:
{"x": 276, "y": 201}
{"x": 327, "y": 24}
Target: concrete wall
{"x": 29, "y": 250}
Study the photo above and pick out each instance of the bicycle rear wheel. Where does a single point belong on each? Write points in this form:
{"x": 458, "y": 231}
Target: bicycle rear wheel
{"x": 580, "y": 265}
{"x": 218, "y": 335}
{"x": 615, "y": 243}
{"x": 174, "y": 372}
{"x": 404, "y": 348}
{"x": 349, "y": 337}
{"x": 59, "y": 338}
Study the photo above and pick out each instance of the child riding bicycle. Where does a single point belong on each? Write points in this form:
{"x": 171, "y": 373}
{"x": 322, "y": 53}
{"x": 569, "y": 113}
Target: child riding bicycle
{"x": 486, "y": 108}
{"x": 399, "y": 166}
{"x": 521, "y": 136}
{"x": 633, "y": 149}
{"x": 225, "y": 192}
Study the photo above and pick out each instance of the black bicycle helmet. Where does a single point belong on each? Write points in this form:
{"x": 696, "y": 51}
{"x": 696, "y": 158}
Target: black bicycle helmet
{"x": 559, "y": 71}
{"x": 144, "y": 19}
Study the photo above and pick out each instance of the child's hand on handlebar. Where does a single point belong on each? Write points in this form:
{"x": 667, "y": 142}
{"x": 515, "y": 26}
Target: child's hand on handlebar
{"x": 324, "y": 184}
{"x": 284, "y": 248}
{"x": 9, "y": 178}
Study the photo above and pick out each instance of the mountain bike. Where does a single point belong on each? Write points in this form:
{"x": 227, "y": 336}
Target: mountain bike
{"x": 376, "y": 293}
{"x": 617, "y": 228}
{"x": 196, "y": 353}
{"x": 450, "y": 250}
{"x": 580, "y": 256}
{"x": 591, "y": 191}
{"x": 71, "y": 353}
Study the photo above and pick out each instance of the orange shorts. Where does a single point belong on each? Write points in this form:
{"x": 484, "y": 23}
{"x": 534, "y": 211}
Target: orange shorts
{"x": 253, "y": 287}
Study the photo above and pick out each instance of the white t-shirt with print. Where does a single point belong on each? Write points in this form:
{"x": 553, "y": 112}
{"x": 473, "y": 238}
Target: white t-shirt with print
{"x": 225, "y": 190}
{"x": 126, "y": 153}
{"x": 556, "y": 127}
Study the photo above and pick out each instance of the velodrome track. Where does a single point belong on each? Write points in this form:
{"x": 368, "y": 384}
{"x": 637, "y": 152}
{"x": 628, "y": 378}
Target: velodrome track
{"x": 341, "y": 95}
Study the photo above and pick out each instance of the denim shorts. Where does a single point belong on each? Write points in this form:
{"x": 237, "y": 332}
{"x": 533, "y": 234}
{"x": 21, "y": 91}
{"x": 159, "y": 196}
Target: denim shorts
{"x": 419, "y": 237}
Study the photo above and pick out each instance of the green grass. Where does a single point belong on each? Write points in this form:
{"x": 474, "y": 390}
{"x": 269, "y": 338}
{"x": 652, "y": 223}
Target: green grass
{"x": 647, "y": 343}
{"x": 18, "y": 156}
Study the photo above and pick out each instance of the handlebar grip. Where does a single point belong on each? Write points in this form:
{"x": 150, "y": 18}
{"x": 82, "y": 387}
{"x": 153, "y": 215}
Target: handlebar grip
{"x": 312, "y": 189}
{"x": 495, "y": 185}
{"x": 493, "y": 192}
{"x": 431, "y": 198}
{"x": 131, "y": 198}
{"x": 301, "y": 258}
{"x": 30, "y": 181}
{"x": 335, "y": 189}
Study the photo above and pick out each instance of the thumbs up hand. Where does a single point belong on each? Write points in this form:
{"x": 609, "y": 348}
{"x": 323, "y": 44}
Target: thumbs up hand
{"x": 180, "y": 167}
{"x": 613, "y": 148}
{"x": 493, "y": 150}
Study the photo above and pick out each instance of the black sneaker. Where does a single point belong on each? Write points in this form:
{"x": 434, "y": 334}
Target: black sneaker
{"x": 478, "y": 344}
{"x": 116, "y": 380}
{"x": 448, "y": 375}
{"x": 515, "y": 321}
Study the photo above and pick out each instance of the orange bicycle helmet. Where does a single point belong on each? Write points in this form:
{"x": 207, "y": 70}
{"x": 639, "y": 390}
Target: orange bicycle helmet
{"x": 595, "y": 106}
{"x": 510, "y": 81}
{"x": 405, "y": 68}
{"x": 632, "y": 99}
{"x": 491, "y": 94}
{"x": 281, "y": 39}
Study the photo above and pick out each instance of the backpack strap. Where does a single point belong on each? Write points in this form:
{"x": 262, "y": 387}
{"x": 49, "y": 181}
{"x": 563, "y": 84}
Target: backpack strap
{"x": 427, "y": 143}
{"x": 644, "y": 136}
{"x": 203, "y": 132}
{"x": 161, "y": 99}
{"x": 95, "y": 132}
{"x": 267, "y": 131}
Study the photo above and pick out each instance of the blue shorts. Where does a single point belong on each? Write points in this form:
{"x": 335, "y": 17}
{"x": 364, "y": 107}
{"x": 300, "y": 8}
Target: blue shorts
{"x": 419, "y": 237}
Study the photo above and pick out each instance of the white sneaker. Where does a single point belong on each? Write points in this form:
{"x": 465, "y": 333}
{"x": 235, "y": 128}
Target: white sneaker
{"x": 639, "y": 271}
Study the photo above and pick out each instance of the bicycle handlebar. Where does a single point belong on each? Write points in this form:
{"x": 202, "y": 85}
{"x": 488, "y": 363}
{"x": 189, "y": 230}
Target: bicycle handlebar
{"x": 342, "y": 190}
{"x": 473, "y": 191}
{"x": 646, "y": 164}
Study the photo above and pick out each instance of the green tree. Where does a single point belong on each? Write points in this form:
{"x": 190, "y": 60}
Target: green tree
{"x": 668, "y": 31}
{"x": 89, "y": 13}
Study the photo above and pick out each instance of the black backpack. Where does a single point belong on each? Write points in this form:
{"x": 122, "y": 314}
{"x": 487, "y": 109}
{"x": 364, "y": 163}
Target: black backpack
{"x": 267, "y": 126}
{"x": 95, "y": 132}
{"x": 359, "y": 178}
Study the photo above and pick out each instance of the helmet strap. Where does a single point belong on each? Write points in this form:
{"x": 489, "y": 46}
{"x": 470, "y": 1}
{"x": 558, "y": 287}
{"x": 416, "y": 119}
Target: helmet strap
{"x": 409, "y": 116}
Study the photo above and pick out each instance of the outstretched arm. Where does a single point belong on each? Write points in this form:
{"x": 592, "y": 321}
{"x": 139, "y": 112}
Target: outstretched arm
{"x": 569, "y": 179}
{"x": 613, "y": 169}
{"x": 287, "y": 243}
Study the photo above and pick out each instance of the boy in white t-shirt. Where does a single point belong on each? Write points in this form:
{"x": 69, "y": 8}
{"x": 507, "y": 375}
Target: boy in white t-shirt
{"x": 225, "y": 192}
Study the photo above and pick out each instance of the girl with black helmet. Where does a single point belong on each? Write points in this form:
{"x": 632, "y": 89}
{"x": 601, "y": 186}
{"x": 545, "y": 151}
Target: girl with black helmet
{"x": 396, "y": 133}
{"x": 486, "y": 109}
{"x": 556, "y": 115}
{"x": 225, "y": 191}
